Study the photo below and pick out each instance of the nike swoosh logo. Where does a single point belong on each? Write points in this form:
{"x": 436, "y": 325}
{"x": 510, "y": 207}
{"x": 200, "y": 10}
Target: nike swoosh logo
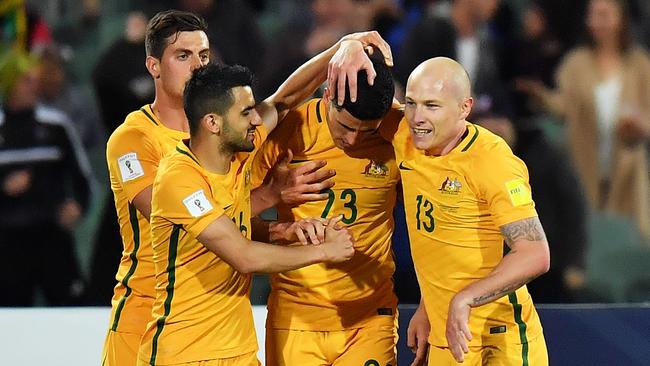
{"x": 404, "y": 167}
{"x": 227, "y": 207}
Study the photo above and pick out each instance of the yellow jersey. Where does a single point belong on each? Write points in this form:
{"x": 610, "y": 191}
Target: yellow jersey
{"x": 133, "y": 153}
{"x": 454, "y": 207}
{"x": 326, "y": 297}
{"x": 202, "y": 309}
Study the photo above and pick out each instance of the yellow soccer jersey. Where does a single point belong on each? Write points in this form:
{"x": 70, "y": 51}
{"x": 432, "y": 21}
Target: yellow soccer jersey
{"x": 202, "y": 309}
{"x": 454, "y": 206}
{"x": 133, "y": 153}
{"x": 336, "y": 296}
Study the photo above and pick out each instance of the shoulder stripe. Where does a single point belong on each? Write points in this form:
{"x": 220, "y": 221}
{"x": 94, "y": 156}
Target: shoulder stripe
{"x": 516, "y": 306}
{"x": 171, "y": 280}
{"x": 149, "y": 116}
{"x": 135, "y": 227}
{"x": 471, "y": 141}
{"x": 188, "y": 154}
{"x": 318, "y": 116}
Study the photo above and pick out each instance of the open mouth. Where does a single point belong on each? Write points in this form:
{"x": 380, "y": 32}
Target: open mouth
{"x": 420, "y": 132}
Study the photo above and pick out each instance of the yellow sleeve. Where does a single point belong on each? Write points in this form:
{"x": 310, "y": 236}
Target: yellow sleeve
{"x": 183, "y": 197}
{"x": 503, "y": 182}
{"x": 133, "y": 159}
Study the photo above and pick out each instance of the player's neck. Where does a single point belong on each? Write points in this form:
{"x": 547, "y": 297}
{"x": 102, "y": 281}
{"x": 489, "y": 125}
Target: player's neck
{"x": 217, "y": 162}
{"x": 170, "y": 113}
{"x": 447, "y": 148}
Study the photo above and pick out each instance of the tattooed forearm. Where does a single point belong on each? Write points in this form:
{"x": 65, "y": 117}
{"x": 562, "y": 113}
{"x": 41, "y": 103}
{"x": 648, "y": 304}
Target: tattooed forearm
{"x": 486, "y": 298}
{"x": 526, "y": 229}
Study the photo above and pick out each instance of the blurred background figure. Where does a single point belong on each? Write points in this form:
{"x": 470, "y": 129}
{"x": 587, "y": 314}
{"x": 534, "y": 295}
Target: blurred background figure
{"x": 57, "y": 92}
{"x": 459, "y": 32}
{"x": 44, "y": 187}
{"x": 559, "y": 202}
{"x": 604, "y": 96}
{"x": 120, "y": 80}
{"x": 22, "y": 27}
{"x": 122, "y": 84}
{"x": 535, "y": 55}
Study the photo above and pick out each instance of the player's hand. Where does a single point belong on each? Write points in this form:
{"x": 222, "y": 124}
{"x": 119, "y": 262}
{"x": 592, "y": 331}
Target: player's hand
{"x": 309, "y": 231}
{"x": 302, "y": 184}
{"x": 350, "y": 58}
{"x": 339, "y": 245}
{"x": 632, "y": 127}
{"x": 458, "y": 333}
{"x": 418, "y": 335}
{"x": 17, "y": 182}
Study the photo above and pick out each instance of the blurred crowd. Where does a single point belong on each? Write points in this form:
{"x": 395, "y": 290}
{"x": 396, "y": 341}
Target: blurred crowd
{"x": 565, "y": 83}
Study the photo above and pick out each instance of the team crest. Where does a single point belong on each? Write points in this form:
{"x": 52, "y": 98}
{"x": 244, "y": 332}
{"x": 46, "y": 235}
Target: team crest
{"x": 375, "y": 169}
{"x": 247, "y": 177}
{"x": 450, "y": 186}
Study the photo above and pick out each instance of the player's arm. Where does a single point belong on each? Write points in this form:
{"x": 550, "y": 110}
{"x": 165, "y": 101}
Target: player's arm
{"x": 528, "y": 258}
{"x": 133, "y": 159}
{"x": 418, "y": 334}
{"x": 306, "y": 79}
{"x": 142, "y": 202}
{"x": 224, "y": 239}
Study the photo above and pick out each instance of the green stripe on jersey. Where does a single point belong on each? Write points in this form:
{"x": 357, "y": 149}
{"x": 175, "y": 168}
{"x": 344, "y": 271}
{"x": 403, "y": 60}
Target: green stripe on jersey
{"x": 171, "y": 280}
{"x": 135, "y": 227}
{"x": 522, "y": 327}
{"x": 471, "y": 141}
{"x": 149, "y": 116}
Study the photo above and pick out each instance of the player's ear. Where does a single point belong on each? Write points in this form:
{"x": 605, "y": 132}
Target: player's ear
{"x": 466, "y": 107}
{"x": 153, "y": 66}
{"x": 213, "y": 123}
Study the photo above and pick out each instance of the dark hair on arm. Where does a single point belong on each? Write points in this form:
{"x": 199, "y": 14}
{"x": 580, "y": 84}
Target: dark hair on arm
{"x": 209, "y": 90}
{"x": 373, "y": 101}
{"x": 169, "y": 23}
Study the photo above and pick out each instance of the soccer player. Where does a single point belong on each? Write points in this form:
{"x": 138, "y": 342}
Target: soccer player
{"x": 339, "y": 314}
{"x": 201, "y": 226}
{"x": 465, "y": 194}
{"x": 176, "y": 44}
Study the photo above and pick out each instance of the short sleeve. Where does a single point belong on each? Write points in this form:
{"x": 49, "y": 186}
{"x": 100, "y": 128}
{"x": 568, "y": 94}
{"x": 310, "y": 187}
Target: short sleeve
{"x": 183, "y": 196}
{"x": 503, "y": 181}
{"x": 133, "y": 160}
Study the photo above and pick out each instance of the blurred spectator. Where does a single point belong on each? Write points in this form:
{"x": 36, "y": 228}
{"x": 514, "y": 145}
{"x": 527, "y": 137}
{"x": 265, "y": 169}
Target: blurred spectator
{"x": 44, "y": 188}
{"x": 562, "y": 16}
{"x": 122, "y": 85}
{"x": 57, "y": 92}
{"x": 234, "y": 35}
{"x": 560, "y": 205}
{"x": 309, "y": 30}
{"x": 536, "y": 54}
{"x": 22, "y": 27}
{"x": 604, "y": 96}
{"x": 121, "y": 80}
{"x": 463, "y": 38}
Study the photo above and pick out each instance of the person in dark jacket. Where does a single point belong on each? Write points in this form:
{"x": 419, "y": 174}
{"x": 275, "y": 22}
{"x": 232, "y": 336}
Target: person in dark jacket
{"x": 45, "y": 185}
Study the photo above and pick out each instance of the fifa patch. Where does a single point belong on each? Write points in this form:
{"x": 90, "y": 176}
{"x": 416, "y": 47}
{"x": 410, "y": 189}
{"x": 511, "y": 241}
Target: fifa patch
{"x": 375, "y": 169}
{"x": 519, "y": 194}
{"x": 450, "y": 186}
{"x": 197, "y": 204}
{"x": 130, "y": 167}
